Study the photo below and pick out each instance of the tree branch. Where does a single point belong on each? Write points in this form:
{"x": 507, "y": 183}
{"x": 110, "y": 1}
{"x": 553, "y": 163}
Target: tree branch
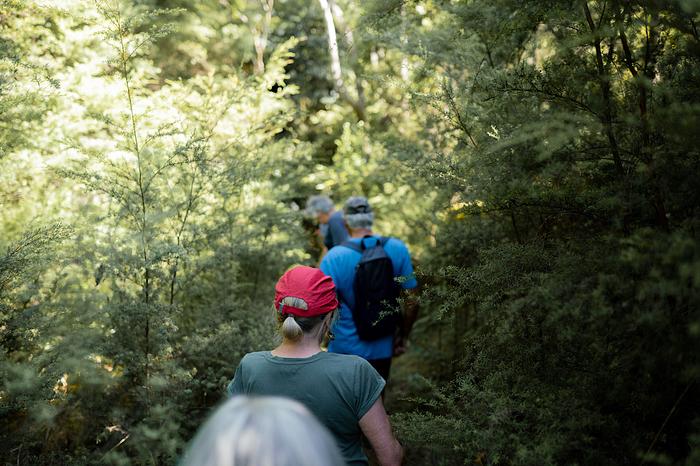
{"x": 604, "y": 79}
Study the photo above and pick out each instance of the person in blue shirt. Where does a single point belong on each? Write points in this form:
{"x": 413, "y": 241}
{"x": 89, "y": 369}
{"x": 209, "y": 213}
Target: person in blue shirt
{"x": 340, "y": 263}
{"x": 331, "y": 224}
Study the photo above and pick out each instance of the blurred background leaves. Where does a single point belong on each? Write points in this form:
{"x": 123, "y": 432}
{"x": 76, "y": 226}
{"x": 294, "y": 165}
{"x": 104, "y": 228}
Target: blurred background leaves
{"x": 539, "y": 158}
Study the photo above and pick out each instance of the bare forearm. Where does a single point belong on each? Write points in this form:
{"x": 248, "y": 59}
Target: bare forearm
{"x": 410, "y": 313}
{"x": 376, "y": 427}
{"x": 390, "y": 455}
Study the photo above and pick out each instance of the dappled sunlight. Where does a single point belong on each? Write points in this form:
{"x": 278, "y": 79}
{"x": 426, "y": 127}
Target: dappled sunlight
{"x": 538, "y": 160}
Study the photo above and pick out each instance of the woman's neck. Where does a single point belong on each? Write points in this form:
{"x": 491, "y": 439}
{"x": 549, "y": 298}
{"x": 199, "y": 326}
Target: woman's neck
{"x": 303, "y": 348}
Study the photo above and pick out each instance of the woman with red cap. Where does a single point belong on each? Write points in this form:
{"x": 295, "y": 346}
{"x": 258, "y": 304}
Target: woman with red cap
{"x": 342, "y": 391}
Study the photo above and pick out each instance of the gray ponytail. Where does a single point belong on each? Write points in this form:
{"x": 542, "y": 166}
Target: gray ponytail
{"x": 291, "y": 330}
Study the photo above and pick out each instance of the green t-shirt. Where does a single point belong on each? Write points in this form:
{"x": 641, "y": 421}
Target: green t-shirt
{"x": 337, "y": 388}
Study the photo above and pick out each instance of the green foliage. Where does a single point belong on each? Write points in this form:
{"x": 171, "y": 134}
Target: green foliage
{"x": 25, "y": 87}
{"x": 539, "y": 158}
{"x": 118, "y": 353}
{"x": 566, "y": 249}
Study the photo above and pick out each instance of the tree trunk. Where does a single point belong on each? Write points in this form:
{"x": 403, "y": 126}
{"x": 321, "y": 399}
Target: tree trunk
{"x": 336, "y": 70}
{"x": 260, "y": 36}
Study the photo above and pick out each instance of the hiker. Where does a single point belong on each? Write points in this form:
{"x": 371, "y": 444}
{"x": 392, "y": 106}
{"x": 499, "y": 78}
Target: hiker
{"x": 331, "y": 224}
{"x": 342, "y": 391}
{"x": 269, "y": 431}
{"x": 370, "y": 327}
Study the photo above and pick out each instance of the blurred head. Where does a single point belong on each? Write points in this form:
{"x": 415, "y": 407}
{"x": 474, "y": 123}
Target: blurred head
{"x": 265, "y": 431}
{"x": 305, "y": 299}
{"x": 358, "y": 213}
{"x": 319, "y": 207}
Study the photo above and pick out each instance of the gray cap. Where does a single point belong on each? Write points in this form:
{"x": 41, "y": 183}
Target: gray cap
{"x": 358, "y": 213}
{"x": 357, "y": 205}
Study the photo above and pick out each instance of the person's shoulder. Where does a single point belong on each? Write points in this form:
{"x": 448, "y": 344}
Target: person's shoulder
{"x": 344, "y": 360}
{"x": 336, "y": 217}
{"x": 342, "y": 357}
{"x": 393, "y": 240}
{"x": 254, "y": 357}
{"x": 336, "y": 252}
{"x": 348, "y": 364}
{"x": 393, "y": 243}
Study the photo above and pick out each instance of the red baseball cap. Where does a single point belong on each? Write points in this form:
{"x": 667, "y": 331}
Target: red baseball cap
{"x": 312, "y": 290}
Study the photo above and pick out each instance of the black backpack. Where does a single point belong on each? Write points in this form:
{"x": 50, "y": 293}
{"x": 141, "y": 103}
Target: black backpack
{"x": 376, "y": 292}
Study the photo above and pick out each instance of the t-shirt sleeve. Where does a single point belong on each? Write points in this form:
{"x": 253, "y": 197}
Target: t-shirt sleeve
{"x": 406, "y": 268}
{"x": 235, "y": 387}
{"x": 337, "y": 232}
{"x": 368, "y": 387}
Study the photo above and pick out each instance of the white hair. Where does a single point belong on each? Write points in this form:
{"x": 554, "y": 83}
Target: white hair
{"x": 262, "y": 431}
{"x": 363, "y": 220}
{"x": 319, "y": 204}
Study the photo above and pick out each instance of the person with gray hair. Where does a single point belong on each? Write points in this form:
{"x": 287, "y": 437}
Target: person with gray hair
{"x": 358, "y": 214}
{"x": 262, "y": 431}
{"x": 343, "y": 265}
{"x": 331, "y": 224}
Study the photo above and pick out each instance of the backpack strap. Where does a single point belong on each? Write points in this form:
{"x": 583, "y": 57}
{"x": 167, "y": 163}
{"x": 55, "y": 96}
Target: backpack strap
{"x": 350, "y": 245}
{"x": 361, "y": 247}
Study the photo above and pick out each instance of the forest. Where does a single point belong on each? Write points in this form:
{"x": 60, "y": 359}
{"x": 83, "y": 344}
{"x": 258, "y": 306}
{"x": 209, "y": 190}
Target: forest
{"x": 539, "y": 158}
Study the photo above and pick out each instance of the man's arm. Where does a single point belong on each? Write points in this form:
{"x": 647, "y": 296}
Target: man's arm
{"x": 410, "y": 311}
{"x": 376, "y": 427}
{"x": 337, "y": 231}
{"x": 410, "y": 314}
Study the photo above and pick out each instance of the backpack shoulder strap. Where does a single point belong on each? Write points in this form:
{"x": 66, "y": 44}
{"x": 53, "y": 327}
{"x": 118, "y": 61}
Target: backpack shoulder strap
{"x": 383, "y": 240}
{"x": 351, "y": 245}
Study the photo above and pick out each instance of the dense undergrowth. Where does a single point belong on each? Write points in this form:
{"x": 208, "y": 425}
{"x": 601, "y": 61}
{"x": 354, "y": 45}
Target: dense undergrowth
{"x": 539, "y": 158}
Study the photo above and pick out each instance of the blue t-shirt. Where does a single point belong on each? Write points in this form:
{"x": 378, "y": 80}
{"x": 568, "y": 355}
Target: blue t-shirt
{"x": 334, "y": 232}
{"x": 339, "y": 264}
